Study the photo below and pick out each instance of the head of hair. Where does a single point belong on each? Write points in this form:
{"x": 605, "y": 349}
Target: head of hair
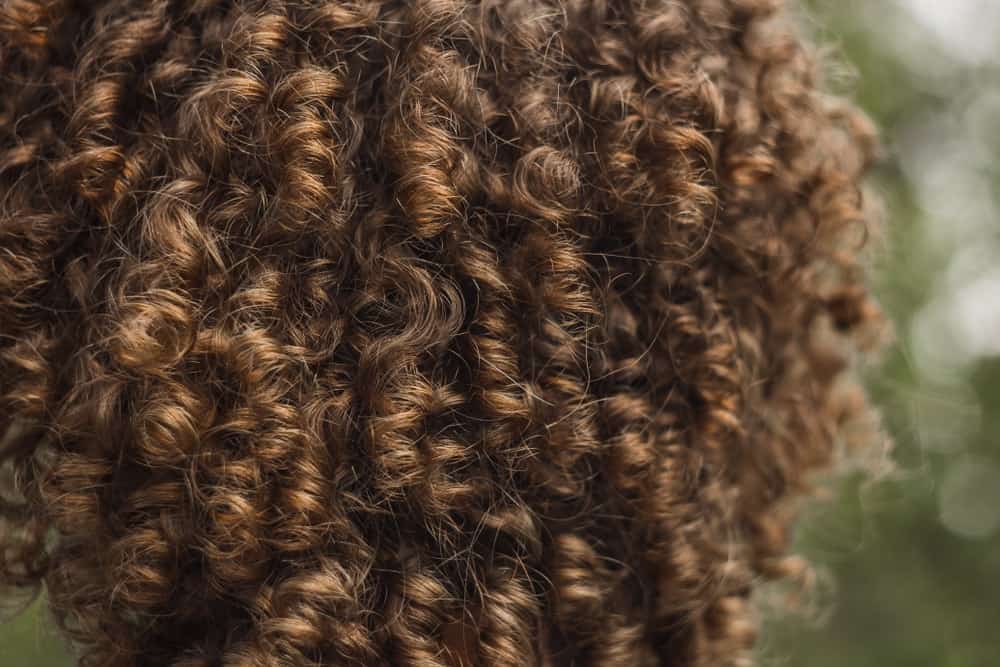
{"x": 437, "y": 332}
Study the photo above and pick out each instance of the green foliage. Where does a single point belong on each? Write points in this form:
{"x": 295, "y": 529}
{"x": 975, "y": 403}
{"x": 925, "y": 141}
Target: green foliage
{"x": 30, "y": 640}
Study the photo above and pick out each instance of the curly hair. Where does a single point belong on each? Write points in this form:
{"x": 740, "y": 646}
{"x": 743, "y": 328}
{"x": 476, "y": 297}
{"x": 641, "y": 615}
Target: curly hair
{"x": 427, "y": 332}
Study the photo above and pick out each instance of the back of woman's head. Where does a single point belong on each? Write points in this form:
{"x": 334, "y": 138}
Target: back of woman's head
{"x": 440, "y": 332}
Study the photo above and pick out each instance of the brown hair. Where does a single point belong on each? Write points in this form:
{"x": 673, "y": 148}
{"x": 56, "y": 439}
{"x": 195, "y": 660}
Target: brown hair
{"x": 370, "y": 332}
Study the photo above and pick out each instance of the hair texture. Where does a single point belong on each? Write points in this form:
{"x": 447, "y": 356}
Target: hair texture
{"x": 436, "y": 333}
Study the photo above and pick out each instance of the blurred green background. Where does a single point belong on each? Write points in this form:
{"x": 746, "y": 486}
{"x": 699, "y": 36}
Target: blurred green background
{"x": 909, "y": 563}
